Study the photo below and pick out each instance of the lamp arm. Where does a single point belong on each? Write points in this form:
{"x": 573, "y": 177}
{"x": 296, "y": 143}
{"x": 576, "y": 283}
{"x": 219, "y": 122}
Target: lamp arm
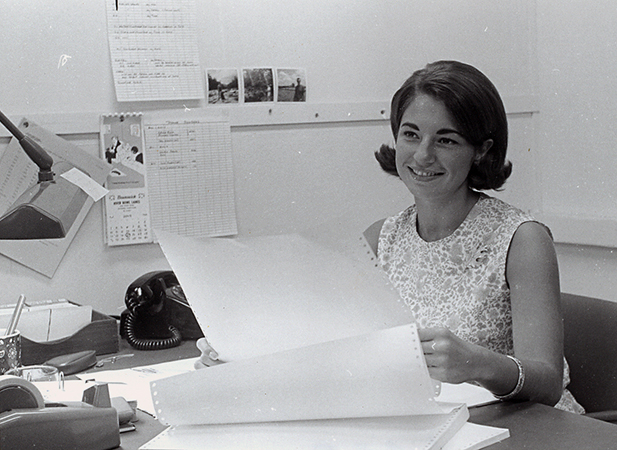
{"x": 36, "y": 153}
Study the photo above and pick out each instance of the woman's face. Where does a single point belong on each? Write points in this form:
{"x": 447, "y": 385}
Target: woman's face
{"x": 432, "y": 157}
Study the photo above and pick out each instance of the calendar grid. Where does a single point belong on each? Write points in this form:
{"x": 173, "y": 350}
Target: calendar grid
{"x": 127, "y": 216}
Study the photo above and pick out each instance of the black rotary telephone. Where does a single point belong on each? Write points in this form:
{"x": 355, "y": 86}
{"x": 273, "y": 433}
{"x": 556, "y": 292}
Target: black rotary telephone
{"x": 158, "y": 315}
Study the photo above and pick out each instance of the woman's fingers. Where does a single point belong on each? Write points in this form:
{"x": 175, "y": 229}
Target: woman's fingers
{"x": 429, "y": 347}
{"x": 432, "y": 339}
{"x": 209, "y": 356}
{"x": 206, "y": 349}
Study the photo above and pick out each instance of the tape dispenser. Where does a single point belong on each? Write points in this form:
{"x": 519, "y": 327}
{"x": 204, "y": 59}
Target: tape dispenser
{"x": 26, "y": 421}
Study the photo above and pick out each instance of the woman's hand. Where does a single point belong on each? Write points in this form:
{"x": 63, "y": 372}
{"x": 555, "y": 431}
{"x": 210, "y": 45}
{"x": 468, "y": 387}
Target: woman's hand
{"x": 209, "y": 356}
{"x": 449, "y": 358}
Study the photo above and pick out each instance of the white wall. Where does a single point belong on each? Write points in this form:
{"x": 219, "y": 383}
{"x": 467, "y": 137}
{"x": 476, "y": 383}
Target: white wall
{"x": 353, "y": 50}
{"x": 577, "y": 54}
{"x": 289, "y": 178}
{"x": 577, "y": 47}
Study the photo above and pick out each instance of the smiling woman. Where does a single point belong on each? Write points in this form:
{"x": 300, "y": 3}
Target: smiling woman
{"x": 480, "y": 276}
{"x": 473, "y": 103}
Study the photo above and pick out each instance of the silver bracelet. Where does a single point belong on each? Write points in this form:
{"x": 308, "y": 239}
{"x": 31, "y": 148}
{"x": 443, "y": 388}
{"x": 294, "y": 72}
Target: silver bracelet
{"x": 519, "y": 384}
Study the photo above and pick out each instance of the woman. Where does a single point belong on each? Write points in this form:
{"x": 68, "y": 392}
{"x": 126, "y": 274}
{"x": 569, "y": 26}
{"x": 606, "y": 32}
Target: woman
{"x": 480, "y": 275}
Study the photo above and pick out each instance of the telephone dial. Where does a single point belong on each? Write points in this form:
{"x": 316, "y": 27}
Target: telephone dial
{"x": 158, "y": 314}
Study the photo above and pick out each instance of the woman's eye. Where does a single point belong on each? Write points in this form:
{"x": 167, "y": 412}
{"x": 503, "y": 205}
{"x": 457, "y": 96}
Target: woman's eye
{"x": 409, "y": 134}
{"x": 447, "y": 141}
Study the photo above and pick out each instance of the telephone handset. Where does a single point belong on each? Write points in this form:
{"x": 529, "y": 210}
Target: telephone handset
{"x": 158, "y": 315}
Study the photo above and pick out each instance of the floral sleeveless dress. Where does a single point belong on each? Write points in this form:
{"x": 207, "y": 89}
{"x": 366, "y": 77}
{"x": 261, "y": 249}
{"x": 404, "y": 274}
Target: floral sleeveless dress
{"x": 460, "y": 281}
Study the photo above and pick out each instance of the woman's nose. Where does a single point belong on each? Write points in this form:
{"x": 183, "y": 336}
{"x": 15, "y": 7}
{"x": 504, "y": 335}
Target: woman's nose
{"x": 424, "y": 152}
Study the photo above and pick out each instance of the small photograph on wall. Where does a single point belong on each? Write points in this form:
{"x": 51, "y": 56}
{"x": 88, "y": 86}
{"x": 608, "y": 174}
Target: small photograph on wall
{"x": 258, "y": 85}
{"x": 291, "y": 85}
{"x": 222, "y": 86}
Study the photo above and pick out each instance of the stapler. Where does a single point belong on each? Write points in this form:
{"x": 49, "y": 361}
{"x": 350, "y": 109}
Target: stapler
{"x": 26, "y": 422}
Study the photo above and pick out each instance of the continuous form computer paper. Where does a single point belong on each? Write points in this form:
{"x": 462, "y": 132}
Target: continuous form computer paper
{"x": 320, "y": 353}
{"x": 372, "y": 433}
{"x": 309, "y": 333}
{"x": 425, "y": 432}
{"x": 260, "y": 295}
{"x": 379, "y": 374}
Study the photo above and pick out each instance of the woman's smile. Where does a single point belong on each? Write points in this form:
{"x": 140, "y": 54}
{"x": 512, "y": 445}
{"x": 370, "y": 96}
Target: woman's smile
{"x": 423, "y": 174}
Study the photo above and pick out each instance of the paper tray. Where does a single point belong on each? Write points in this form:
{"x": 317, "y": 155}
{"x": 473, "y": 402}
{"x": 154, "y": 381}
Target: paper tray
{"x": 100, "y": 335}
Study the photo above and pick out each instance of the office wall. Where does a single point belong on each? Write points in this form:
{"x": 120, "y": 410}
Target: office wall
{"x": 353, "y": 50}
{"x": 313, "y": 178}
{"x": 577, "y": 49}
{"x": 576, "y": 139}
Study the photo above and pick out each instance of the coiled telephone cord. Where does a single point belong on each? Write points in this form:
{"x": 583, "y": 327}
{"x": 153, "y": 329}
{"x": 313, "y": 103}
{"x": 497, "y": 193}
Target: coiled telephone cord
{"x": 149, "y": 344}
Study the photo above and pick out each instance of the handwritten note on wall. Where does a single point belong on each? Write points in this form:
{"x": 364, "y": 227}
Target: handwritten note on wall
{"x": 154, "y": 52}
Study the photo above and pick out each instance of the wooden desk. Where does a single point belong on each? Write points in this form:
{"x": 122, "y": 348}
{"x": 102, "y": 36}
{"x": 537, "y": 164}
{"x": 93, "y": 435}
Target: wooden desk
{"x": 531, "y": 425}
{"x": 536, "y": 426}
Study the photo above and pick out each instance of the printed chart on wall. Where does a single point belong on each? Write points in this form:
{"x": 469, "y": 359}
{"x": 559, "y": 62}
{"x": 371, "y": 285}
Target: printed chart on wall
{"x": 154, "y": 51}
{"x": 190, "y": 173}
{"x": 127, "y": 213}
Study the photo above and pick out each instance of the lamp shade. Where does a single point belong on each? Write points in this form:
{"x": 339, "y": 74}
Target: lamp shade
{"x": 46, "y": 210}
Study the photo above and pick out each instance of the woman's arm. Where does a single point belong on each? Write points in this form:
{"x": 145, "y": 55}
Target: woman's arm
{"x": 533, "y": 277}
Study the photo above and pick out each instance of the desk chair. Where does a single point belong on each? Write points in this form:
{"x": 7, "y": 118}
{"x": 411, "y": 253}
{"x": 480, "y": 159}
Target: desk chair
{"x": 590, "y": 346}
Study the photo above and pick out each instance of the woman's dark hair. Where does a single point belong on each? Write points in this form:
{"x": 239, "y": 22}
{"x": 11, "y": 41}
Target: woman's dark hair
{"x": 475, "y": 106}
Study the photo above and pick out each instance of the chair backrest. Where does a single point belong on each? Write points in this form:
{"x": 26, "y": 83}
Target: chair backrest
{"x": 590, "y": 347}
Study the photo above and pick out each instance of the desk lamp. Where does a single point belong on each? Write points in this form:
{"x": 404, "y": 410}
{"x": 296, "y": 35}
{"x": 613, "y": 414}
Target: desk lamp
{"x": 48, "y": 209}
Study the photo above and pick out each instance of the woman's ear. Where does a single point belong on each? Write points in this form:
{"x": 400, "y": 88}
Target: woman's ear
{"x": 483, "y": 150}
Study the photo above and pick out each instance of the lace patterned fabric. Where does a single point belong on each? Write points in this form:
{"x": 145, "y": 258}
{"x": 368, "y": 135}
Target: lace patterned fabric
{"x": 459, "y": 281}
